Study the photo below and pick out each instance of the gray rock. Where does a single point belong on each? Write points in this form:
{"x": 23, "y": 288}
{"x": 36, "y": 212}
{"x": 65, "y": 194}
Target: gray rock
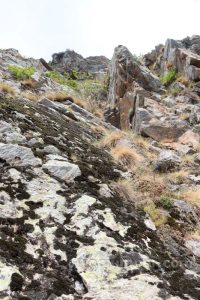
{"x": 126, "y": 69}
{"x": 167, "y": 161}
{"x": 62, "y": 169}
{"x": 194, "y": 246}
{"x": 50, "y": 149}
{"x": 18, "y": 155}
{"x": 185, "y": 213}
{"x": 70, "y": 60}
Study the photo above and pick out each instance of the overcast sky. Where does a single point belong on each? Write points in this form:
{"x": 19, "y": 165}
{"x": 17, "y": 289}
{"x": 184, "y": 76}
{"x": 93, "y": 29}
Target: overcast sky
{"x": 39, "y": 28}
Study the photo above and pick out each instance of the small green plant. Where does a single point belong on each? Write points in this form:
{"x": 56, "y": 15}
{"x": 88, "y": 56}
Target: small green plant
{"x": 62, "y": 79}
{"x": 169, "y": 76}
{"x": 21, "y": 73}
{"x": 166, "y": 202}
{"x": 156, "y": 214}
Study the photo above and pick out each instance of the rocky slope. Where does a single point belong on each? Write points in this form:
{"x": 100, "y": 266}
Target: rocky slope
{"x": 89, "y": 211}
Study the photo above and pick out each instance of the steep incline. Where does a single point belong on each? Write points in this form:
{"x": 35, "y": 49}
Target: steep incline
{"x": 64, "y": 229}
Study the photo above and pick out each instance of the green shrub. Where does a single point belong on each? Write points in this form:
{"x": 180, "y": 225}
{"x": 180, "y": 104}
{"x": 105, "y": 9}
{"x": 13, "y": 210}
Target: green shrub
{"x": 169, "y": 76}
{"x": 62, "y": 79}
{"x": 166, "y": 202}
{"x": 21, "y": 73}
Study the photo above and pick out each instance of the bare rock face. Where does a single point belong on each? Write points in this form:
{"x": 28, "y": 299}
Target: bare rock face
{"x": 129, "y": 80}
{"x": 65, "y": 233}
{"x": 182, "y": 55}
{"x": 124, "y": 71}
{"x": 70, "y": 60}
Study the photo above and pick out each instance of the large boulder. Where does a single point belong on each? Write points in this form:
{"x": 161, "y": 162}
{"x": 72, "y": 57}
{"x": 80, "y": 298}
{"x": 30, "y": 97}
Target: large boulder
{"x": 160, "y": 129}
{"x": 167, "y": 161}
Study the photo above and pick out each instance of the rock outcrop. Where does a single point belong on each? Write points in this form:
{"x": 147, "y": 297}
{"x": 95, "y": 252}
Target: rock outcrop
{"x": 183, "y": 55}
{"x": 70, "y": 60}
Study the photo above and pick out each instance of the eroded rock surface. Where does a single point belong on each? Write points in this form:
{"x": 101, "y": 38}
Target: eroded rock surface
{"x": 68, "y": 239}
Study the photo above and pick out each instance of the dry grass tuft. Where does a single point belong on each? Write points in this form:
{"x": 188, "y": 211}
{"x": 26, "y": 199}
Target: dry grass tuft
{"x": 111, "y": 138}
{"x": 126, "y": 156}
{"x": 6, "y": 88}
{"x": 152, "y": 185}
{"x": 58, "y": 96}
{"x": 183, "y": 80}
{"x": 187, "y": 159}
{"x": 30, "y": 96}
{"x": 184, "y": 116}
{"x": 192, "y": 196}
{"x": 178, "y": 177}
{"x": 157, "y": 215}
{"x": 125, "y": 188}
{"x": 79, "y": 102}
{"x": 29, "y": 83}
{"x": 95, "y": 108}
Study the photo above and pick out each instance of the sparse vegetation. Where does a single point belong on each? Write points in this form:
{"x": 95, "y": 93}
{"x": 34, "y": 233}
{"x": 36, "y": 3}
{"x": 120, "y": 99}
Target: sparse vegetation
{"x": 188, "y": 159}
{"x": 178, "y": 177}
{"x": 111, "y": 138}
{"x": 30, "y": 96}
{"x": 62, "y": 79}
{"x": 166, "y": 202}
{"x": 126, "y": 156}
{"x": 157, "y": 215}
{"x": 21, "y": 73}
{"x": 192, "y": 196}
{"x": 6, "y": 88}
{"x": 30, "y": 83}
{"x": 58, "y": 96}
{"x": 182, "y": 79}
{"x": 125, "y": 188}
{"x": 168, "y": 77}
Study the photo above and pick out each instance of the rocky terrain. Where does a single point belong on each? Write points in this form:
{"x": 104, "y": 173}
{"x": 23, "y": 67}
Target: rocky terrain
{"x": 100, "y": 175}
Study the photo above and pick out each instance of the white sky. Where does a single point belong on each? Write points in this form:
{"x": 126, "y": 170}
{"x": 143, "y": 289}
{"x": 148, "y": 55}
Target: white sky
{"x": 39, "y": 28}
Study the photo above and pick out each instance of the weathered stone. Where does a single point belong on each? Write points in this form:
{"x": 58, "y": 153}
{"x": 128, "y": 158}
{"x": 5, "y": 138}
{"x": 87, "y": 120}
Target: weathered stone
{"x": 194, "y": 246}
{"x": 160, "y": 130}
{"x": 167, "y": 161}
{"x": 124, "y": 70}
{"x": 18, "y": 155}
{"x": 63, "y": 170}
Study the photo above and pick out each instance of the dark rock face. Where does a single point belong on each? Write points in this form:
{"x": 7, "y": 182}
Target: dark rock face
{"x": 70, "y": 60}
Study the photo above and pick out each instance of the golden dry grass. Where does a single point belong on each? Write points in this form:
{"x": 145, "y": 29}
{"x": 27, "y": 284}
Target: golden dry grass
{"x": 94, "y": 108}
{"x": 58, "y": 96}
{"x": 184, "y": 116}
{"x": 6, "y": 88}
{"x": 187, "y": 159}
{"x": 126, "y": 155}
{"x": 157, "y": 215}
{"x": 30, "y": 96}
{"x": 183, "y": 80}
{"x": 29, "y": 83}
{"x": 125, "y": 188}
{"x": 192, "y": 196}
{"x": 111, "y": 138}
{"x": 138, "y": 140}
{"x": 178, "y": 177}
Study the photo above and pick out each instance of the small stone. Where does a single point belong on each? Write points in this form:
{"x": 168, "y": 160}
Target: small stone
{"x": 62, "y": 170}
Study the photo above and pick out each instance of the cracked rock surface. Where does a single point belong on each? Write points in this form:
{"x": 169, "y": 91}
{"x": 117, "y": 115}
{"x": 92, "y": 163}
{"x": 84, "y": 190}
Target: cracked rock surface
{"x": 64, "y": 232}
